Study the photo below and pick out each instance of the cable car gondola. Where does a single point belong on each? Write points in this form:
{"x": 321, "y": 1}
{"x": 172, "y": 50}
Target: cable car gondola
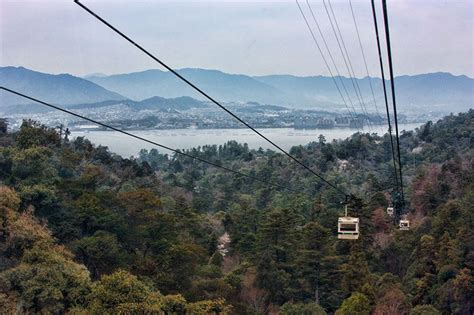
{"x": 404, "y": 224}
{"x": 348, "y": 227}
{"x": 390, "y": 211}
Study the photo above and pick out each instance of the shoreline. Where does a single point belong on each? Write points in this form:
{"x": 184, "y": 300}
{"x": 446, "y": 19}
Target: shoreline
{"x": 73, "y": 129}
{"x": 193, "y": 138}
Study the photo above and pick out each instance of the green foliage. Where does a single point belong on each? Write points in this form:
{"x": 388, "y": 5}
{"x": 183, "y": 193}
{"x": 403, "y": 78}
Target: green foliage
{"x": 35, "y": 134}
{"x": 173, "y": 304}
{"x": 34, "y": 165}
{"x": 47, "y": 280}
{"x": 242, "y": 220}
{"x": 18, "y": 231}
{"x": 40, "y": 196}
{"x": 302, "y": 309}
{"x": 216, "y": 259}
{"x": 356, "y": 304}
{"x": 463, "y": 291}
{"x": 101, "y": 253}
{"x": 42, "y": 277}
{"x": 211, "y": 289}
{"x": 278, "y": 242}
{"x": 317, "y": 266}
{"x": 121, "y": 290}
{"x": 355, "y": 272}
{"x": 9, "y": 198}
{"x": 424, "y": 310}
{"x": 208, "y": 307}
{"x": 88, "y": 214}
{"x": 137, "y": 231}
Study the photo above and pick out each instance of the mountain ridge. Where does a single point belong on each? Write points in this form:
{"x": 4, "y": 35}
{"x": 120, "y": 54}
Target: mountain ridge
{"x": 432, "y": 92}
{"x": 61, "y": 89}
{"x": 223, "y": 86}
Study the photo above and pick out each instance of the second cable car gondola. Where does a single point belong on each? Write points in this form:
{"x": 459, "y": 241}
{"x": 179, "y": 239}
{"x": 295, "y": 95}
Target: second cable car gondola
{"x": 348, "y": 227}
{"x": 390, "y": 211}
{"x": 404, "y": 223}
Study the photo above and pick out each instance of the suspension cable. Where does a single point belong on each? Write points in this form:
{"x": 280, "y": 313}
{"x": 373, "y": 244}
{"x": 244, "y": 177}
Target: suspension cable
{"x": 347, "y": 61}
{"x": 179, "y": 152}
{"x": 389, "y": 121}
{"x": 354, "y": 116}
{"x": 208, "y": 97}
{"x": 365, "y": 60}
{"x": 332, "y": 58}
{"x": 392, "y": 84}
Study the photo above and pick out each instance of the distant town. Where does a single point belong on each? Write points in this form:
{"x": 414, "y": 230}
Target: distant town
{"x": 124, "y": 116}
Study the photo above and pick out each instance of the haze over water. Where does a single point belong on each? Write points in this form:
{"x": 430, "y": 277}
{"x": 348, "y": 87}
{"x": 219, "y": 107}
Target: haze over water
{"x": 189, "y": 138}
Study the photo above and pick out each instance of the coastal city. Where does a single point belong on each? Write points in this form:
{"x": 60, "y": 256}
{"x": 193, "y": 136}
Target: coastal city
{"x": 205, "y": 116}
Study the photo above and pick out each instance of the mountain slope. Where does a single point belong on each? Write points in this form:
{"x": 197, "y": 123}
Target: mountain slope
{"x": 58, "y": 89}
{"x": 438, "y": 91}
{"x": 222, "y": 86}
{"x": 432, "y": 91}
{"x": 427, "y": 92}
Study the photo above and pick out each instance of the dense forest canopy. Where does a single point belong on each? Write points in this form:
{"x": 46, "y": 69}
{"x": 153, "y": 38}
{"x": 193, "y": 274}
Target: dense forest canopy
{"x": 86, "y": 231}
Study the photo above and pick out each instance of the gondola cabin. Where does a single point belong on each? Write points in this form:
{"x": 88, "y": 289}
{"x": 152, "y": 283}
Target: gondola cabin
{"x": 348, "y": 228}
{"x": 390, "y": 211}
{"x": 404, "y": 225}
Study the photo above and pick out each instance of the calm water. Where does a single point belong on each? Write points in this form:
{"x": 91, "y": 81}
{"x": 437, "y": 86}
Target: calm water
{"x": 189, "y": 138}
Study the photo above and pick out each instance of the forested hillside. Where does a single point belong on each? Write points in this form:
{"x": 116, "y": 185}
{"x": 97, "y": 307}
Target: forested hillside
{"x": 85, "y": 231}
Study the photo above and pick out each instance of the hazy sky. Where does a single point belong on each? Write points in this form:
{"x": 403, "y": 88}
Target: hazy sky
{"x": 251, "y": 37}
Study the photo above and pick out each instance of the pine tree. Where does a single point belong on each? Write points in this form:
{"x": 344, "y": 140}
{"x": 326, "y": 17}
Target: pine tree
{"x": 311, "y": 259}
{"x": 356, "y": 271}
{"x": 448, "y": 252}
{"x": 278, "y": 241}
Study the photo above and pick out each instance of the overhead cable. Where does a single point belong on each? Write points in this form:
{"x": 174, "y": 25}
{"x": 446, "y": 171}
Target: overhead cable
{"x": 354, "y": 115}
{"x": 129, "y": 134}
{"x": 365, "y": 60}
{"x": 347, "y": 60}
{"x": 207, "y": 96}
{"x": 389, "y": 121}
{"x": 394, "y": 103}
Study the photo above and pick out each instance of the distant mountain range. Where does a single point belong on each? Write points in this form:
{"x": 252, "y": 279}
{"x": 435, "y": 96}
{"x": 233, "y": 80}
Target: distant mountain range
{"x": 58, "y": 89}
{"x": 222, "y": 86}
{"x": 430, "y": 92}
{"x": 439, "y": 92}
